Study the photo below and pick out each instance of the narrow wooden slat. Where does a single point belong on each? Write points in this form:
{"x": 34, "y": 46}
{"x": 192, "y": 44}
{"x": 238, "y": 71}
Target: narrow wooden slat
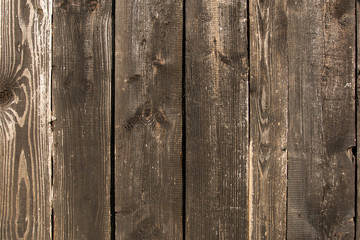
{"x": 82, "y": 53}
{"x": 148, "y": 120}
{"x": 268, "y": 119}
{"x": 321, "y": 43}
{"x": 216, "y": 119}
{"x": 25, "y": 54}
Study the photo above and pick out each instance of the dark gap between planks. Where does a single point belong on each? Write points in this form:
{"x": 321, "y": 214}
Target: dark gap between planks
{"x": 112, "y": 126}
{"x": 184, "y": 119}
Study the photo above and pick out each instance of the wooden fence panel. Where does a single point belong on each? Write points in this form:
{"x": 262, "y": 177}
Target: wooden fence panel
{"x": 148, "y": 119}
{"x": 268, "y": 119}
{"x": 321, "y": 190}
{"x": 82, "y": 59}
{"x": 25, "y": 38}
{"x": 216, "y": 119}
{"x": 198, "y": 120}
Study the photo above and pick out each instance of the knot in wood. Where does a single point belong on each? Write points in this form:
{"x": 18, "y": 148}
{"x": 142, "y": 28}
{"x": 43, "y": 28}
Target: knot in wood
{"x": 158, "y": 63}
{"x": 264, "y": 149}
{"x": 160, "y": 117}
{"x": 40, "y": 11}
{"x": 93, "y": 5}
{"x": 147, "y": 116}
{"x": 6, "y": 96}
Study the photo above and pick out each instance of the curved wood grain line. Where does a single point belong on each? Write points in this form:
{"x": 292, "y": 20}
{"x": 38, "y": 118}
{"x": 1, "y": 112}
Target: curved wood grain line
{"x": 24, "y": 112}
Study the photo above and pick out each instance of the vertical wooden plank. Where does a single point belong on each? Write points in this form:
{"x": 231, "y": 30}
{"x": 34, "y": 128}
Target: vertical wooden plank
{"x": 25, "y": 54}
{"x": 216, "y": 119}
{"x": 268, "y": 119}
{"x": 82, "y": 53}
{"x": 321, "y": 177}
{"x": 148, "y": 120}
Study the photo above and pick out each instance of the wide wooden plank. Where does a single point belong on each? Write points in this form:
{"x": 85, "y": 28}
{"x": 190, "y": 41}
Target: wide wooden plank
{"x": 321, "y": 176}
{"x": 25, "y": 64}
{"x": 268, "y": 119}
{"x": 148, "y": 120}
{"x": 217, "y": 119}
{"x": 82, "y": 61}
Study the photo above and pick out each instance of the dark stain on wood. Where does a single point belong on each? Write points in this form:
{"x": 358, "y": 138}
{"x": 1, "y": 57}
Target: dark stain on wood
{"x": 146, "y": 229}
{"x": 342, "y": 7}
{"x": 224, "y": 59}
{"x": 134, "y": 78}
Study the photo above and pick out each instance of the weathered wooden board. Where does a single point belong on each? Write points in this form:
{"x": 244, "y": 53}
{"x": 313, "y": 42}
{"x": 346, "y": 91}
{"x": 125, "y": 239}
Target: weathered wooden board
{"x": 148, "y": 119}
{"x": 82, "y": 61}
{"x": 321, "y": 167}
{"x": 268, "y": 119}
{"x": 25, "y": 34}
{"x": 216, "y": 119}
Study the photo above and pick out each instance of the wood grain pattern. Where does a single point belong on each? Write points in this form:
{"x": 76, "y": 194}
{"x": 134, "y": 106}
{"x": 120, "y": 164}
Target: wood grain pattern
{"x": 271, "y": 119}
{"x": 321, "y": 190}
{"x": 216, "y": 120}
{"x": 268, "y": 119}
{"x": 82, "y": 53}
{"x": 25, "y": 63}
{"x": 148, "y": 120}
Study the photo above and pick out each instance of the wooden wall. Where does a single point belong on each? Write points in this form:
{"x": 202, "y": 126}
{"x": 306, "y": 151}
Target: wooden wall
{"x": 217, "y": 119}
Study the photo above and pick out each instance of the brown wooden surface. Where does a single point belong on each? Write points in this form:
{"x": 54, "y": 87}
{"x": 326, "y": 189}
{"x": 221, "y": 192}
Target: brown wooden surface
{"x": 25, "y": 65}
{"x": 148, "y": 120}
{"x": 216, "y": 120}
{"x": 268, "y": 119}
{"x": 132, "y": 119}
{"x": 82, "y": 61}
{"x": 321, "y": 173}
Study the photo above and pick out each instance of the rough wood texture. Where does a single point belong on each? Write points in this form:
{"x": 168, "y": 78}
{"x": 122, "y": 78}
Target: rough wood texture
{"x": 82, "y": 53}
{"x": 321, "y": 43}
{"x": 216, "y": 120}
{"x": 268, "y": 119}
{"x": 25, "y": 34}
{"x": 148, "y": 120}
